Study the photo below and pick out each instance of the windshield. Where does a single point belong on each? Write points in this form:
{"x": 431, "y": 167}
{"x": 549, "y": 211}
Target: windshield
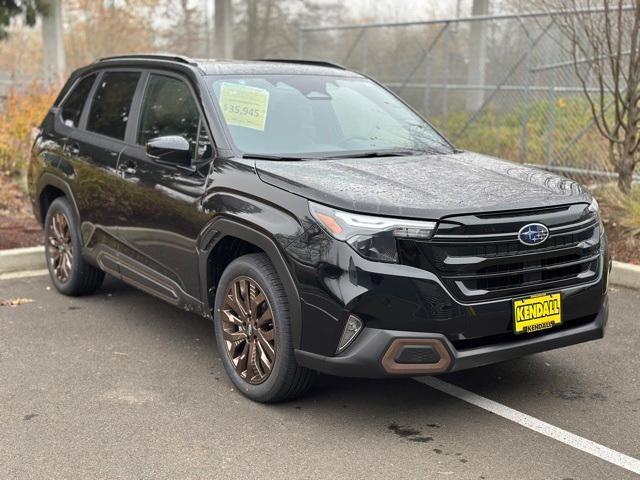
{"x": 311, "y": 116}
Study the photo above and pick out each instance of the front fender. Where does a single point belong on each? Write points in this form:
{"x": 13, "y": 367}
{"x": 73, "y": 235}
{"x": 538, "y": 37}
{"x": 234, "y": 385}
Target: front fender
{"x": 224, "y": 226}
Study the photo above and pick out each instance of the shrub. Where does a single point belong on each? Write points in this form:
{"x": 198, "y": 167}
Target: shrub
{"x": 621, "y": 208}
{"x": 23, "y": 111}
{"x": 631, "y": 217}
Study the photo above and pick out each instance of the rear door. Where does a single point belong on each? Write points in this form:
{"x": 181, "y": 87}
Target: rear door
{"x": 98, "y": 145}
{"x": 163, "y": 217}
{"x": 67, "y": 149}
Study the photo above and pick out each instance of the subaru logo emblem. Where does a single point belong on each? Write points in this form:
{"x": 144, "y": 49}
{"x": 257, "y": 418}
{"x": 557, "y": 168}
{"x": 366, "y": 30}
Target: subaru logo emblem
{"x": 533, "y": 234}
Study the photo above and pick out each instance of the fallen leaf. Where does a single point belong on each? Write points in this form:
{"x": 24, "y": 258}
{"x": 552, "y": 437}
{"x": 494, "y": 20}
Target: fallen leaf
{"x": 14, "y": 302}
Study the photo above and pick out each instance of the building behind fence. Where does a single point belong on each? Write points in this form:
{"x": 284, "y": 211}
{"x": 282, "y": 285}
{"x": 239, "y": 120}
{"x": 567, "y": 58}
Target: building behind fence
{"x": 503, "y": 85}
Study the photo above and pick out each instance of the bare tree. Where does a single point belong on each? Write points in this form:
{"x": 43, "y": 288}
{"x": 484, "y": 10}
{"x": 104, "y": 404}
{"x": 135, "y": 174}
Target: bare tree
{"x": 54, "y": 64}
{"x": 223, "y": 30}
{"x": 602, "y": 38}
{"x": 186, "y": 28}
{"x": 252, "y": 28}
{"x": 97, "y": 29}
{"x": 268, "y": 28}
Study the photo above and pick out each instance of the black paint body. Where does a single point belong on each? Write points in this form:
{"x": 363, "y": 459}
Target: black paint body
{"x": 170, "y": 231}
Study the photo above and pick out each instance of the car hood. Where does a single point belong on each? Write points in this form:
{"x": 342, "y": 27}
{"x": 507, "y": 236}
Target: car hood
{"x": 422, "y": 186}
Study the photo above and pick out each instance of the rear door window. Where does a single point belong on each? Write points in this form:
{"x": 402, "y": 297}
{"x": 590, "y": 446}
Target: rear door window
{"x": 111, "y": 104}
{"x": 73, "y": 105}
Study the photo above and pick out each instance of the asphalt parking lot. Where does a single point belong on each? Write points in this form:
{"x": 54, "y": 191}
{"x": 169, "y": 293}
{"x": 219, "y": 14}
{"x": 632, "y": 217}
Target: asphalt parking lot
{"x": 121, "y": 385}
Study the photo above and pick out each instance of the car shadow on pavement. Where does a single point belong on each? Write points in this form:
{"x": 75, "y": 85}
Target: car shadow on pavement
{"x": 516, "y": 377}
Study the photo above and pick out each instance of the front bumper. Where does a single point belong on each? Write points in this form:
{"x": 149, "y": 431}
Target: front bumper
{"x": 369, "y": 354}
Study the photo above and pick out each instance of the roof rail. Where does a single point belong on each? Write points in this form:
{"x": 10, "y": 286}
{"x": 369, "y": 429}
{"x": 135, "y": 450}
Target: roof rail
{"x": 150, "y": 56}
{"x": 301, "y": 61}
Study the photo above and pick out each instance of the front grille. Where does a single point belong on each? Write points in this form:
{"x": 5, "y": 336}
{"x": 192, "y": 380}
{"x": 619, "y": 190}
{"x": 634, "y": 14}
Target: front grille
{"x": 481, "y": 258}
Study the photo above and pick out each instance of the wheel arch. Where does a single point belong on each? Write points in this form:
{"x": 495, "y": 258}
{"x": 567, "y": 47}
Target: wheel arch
{"x": 223, "y": 232}
{"x": 51, "y": 187}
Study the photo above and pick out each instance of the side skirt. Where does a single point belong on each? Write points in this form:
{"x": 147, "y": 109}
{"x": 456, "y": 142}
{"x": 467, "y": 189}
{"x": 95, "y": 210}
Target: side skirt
{"x": 146, "y": 279}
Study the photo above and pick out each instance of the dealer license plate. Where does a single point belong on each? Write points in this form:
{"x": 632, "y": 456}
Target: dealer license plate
{"x": 537, "y": 312}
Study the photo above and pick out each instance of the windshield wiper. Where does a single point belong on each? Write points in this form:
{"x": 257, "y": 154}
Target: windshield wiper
{"x": 355, "y": 154}
{"x": 260, "y": 156}
{"x": 373, "y": 154}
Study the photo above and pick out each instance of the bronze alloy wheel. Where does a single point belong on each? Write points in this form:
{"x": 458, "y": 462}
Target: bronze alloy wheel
{"x": 249, "y": 330}
{"x": 60, "y": 247}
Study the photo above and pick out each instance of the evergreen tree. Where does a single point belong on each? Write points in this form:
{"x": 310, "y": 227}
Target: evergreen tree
{"x": 30, "y": 9}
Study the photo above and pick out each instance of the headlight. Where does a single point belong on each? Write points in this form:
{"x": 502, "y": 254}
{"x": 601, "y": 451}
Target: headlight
{"x": 594, "y": 208}
{"x": 372, "y": 237}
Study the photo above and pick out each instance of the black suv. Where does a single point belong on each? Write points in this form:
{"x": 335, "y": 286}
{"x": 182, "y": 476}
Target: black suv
{"x": 315, "y": 217}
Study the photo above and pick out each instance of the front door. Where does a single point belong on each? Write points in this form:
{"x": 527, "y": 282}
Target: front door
{"x": 160, "y": 214}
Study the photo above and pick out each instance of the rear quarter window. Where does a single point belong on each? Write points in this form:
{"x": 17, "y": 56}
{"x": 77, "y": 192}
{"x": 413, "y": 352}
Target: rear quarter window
{"x": 111, "y": 104}
{"x": 73, "y": 105}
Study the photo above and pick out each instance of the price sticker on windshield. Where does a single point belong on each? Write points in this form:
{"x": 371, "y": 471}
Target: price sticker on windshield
{"x": 244, "y": 106}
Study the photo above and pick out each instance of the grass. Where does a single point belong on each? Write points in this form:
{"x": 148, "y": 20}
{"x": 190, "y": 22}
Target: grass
{"x": 499, "y": 132}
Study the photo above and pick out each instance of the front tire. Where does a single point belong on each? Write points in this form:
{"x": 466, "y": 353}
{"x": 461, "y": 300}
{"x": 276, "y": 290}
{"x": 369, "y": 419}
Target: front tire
{"x": 69, "y": 271}
{"x": 253, "y": 332}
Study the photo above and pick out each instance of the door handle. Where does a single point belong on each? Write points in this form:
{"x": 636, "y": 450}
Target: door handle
{"x": 127, "y": 169}
{"x": 72, "y": 149}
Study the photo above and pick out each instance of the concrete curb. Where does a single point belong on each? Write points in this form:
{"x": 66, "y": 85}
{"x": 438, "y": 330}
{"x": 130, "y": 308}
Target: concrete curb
{"x": 625, "y": 275}
{"x": 17, "y": 259}
{"x": 32, "y": 258}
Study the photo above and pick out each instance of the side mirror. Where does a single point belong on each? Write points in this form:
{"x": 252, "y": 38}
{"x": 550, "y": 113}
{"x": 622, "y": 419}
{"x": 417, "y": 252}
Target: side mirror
{"x": 172, "y": 149}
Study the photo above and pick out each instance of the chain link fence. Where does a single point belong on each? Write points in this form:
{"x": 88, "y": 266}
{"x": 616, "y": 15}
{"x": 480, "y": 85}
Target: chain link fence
{"x": 502, "y": 85}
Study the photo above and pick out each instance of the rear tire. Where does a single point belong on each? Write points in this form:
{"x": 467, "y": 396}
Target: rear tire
{"x": 249, "y": 292}
{"x": 69, "y": 271}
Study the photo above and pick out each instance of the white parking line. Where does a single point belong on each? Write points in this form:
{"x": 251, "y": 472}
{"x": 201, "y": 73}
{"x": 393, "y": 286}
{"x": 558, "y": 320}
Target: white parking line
{"x": 568, "y": 438}
{"x": 23, "y": 274}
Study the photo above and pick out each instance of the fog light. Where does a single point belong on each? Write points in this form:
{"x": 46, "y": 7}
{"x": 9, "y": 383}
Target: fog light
{"x": 351, "y": 330}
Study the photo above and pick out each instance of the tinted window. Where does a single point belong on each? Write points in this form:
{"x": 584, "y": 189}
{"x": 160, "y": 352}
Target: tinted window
{"x": 72, "y": 108}
{"x": 111, "y": 104}
{"x": 169, "y": 108}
